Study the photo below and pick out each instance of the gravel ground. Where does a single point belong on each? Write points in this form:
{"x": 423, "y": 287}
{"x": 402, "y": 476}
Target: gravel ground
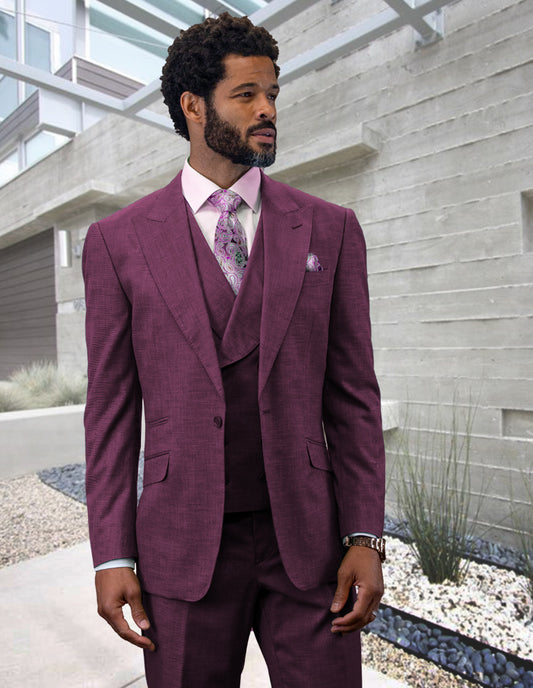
{"x": 35, "y": 520}
{"x": 491, "y": 605}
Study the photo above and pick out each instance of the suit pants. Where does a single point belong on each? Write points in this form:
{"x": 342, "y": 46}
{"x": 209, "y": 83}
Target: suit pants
{"x": 203, "y": 644}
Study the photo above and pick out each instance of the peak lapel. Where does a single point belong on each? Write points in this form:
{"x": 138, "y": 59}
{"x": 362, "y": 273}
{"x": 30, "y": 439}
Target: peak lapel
{"x": 166, "y": 243}
{"x": 286, "y": 236}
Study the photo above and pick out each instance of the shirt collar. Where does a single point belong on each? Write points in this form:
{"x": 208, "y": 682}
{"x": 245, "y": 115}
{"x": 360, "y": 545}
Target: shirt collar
{"x": 197, "y": 188}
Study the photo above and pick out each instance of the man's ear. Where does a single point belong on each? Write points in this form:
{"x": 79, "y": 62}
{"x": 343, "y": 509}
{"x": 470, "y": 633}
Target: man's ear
{"x": 193, "y": 107}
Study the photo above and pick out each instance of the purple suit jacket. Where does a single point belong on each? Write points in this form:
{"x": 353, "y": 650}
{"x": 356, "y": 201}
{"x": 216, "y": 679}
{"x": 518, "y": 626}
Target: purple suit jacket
{"x": 149, "y": 339}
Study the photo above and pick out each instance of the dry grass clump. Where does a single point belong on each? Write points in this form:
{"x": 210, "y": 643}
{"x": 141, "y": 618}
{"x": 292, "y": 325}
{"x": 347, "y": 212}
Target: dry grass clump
{"x": 11, "y": 398}
{"x": 42, "y": 384}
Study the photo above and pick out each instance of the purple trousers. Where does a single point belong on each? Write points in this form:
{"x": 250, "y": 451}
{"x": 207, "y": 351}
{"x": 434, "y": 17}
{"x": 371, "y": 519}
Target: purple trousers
{"x": 203, "y": 644}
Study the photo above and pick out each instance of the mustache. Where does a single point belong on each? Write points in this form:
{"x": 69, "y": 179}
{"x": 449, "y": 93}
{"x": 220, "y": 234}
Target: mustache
{"x": 264, "y": 125}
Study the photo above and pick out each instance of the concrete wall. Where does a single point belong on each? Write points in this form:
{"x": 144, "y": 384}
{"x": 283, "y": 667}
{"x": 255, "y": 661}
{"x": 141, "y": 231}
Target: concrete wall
{"x": 40, "y": 438}
{"x": 432, "y": 148}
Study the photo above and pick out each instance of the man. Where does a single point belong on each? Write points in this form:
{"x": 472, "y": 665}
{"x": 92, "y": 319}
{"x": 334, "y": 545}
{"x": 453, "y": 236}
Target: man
{"x": 240, "y": 319}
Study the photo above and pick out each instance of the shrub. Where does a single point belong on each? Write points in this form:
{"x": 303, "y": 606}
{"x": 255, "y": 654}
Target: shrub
{"x": 11, "y": 398}
{"x": 67, "y": 389}
{"x": 522, "y": 519}
{"x": 41, "y": 385}
{"x": 434, "y": 496}
{"x": 36, "y": 378}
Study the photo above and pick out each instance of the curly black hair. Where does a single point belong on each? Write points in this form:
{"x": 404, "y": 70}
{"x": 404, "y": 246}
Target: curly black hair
{"x": 195, "y": 59}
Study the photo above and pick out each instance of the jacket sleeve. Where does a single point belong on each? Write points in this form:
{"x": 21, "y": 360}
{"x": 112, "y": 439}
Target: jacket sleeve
{"x": 351, "y": 402}
{"x": 113, "y": 410}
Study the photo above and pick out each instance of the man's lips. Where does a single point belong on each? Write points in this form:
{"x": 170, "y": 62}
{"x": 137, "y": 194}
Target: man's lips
{"x": 266, "y": 135}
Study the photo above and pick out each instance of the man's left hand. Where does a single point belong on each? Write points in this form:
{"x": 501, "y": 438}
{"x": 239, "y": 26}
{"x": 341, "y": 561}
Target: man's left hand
{"x": 361, "y": 567}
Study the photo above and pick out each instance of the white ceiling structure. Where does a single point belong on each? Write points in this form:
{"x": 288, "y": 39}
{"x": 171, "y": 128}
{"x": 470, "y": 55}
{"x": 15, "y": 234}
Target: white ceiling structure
{"x": 168, "y": 17}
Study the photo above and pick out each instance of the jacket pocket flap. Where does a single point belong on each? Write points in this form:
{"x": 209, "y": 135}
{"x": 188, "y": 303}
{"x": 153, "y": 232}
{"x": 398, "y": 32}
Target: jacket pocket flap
{"x": 318, "y": 455}
{"x": 155, "y": 468}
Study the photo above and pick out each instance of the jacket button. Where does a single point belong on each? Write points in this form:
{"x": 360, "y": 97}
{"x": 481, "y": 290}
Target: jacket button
{"x": 217, "y": 420}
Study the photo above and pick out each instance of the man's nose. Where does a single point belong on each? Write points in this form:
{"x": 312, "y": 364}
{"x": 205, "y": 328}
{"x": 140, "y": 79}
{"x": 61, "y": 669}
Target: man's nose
{"x": 266, "y": 109}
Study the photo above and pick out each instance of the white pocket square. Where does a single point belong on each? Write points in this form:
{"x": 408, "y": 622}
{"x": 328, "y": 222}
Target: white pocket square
{"x": 313, "y": 264}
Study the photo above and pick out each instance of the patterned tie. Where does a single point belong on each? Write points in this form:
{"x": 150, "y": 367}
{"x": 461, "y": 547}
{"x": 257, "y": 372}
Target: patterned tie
{"x": 230, "y": 239}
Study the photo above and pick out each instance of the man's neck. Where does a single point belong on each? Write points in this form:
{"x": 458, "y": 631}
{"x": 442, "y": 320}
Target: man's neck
{"x": 219, "y": 170}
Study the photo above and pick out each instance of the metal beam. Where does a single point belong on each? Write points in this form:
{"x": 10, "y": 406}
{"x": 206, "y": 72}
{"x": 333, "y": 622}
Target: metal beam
{"x": 56, "y": 84}
{"x": 279, "y": 11}
{"x": 188, "y": 11}
{"x": 145, "y": 96}
{"x": 409, "y": 16}
{"x": 155, "y": 119}
{"x": 127, "y": 32}
{"x": 148, "y": 15}
{"x": 352, "y": 39}
{"x": 42, "y": 79}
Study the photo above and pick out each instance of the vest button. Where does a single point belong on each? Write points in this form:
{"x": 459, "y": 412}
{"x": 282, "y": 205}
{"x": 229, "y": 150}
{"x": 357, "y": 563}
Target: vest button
{"x": 217, "y": 420}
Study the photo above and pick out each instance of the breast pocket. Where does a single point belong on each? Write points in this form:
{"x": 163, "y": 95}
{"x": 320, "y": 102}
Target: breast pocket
{"x": 316, "y": 279}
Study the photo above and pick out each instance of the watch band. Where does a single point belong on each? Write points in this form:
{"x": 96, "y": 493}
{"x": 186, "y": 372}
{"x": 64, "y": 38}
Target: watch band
{"x": 365, "y": 541}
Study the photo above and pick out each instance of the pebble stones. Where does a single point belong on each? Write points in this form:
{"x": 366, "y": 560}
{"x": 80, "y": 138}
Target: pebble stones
{"x": 413, "y": 671}
{"x": 458, "y": 654}
{"x": 70, "y": 479}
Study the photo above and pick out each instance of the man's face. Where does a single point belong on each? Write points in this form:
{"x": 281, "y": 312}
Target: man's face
{"x": 241, "y": 113}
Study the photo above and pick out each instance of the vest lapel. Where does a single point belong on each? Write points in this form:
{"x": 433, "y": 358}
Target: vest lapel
{"x": 243, "y": 327}
{"x": 218, "y": 294}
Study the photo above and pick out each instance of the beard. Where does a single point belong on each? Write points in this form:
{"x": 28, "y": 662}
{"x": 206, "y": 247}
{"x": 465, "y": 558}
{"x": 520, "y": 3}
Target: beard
{"x": 225, "y": 139}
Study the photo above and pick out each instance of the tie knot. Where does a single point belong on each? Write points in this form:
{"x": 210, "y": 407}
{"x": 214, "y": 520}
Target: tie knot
{"x": 225, "y": 200}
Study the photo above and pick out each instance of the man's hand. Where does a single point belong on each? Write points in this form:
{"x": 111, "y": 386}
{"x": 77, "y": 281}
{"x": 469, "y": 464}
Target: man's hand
{"x": 115, "y": 588}
{"x": 361, "y": 566}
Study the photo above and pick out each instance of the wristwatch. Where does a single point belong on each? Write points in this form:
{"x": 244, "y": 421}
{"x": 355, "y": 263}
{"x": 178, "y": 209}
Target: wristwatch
{"x": 366, "y": 541}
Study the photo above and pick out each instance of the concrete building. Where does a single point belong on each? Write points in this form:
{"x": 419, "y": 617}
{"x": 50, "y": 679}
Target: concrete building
{"x": 419, "y": 121}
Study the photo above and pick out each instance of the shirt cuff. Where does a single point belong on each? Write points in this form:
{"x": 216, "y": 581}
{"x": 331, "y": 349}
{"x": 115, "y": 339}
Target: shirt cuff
{"x": 356, "y": 534}
{"x": 115, "y": 564}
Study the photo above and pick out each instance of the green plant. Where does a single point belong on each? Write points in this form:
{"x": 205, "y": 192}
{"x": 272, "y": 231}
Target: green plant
{"x": 434, "y": 495}
{"x": 522, "y": 519}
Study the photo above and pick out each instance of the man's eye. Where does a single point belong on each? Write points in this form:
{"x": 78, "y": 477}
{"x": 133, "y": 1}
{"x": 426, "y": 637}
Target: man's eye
{"x": 246, "y": 94}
